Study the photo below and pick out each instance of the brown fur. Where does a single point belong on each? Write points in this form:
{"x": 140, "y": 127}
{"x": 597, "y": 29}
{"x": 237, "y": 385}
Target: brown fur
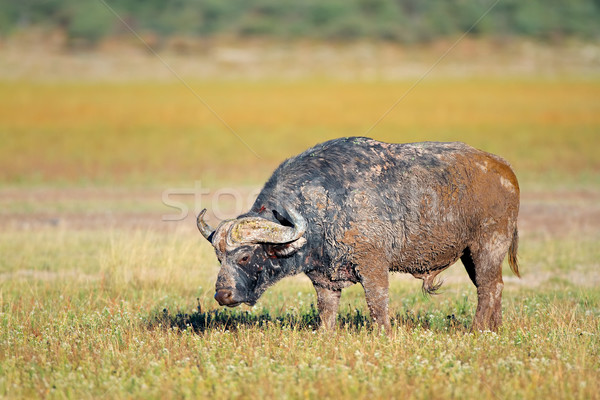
{"x": 485, "y": 215}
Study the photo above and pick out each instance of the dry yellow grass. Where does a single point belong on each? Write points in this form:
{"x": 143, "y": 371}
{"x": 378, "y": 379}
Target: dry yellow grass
{"x": 156, "y": 133}
{"x": 81, "y": 303}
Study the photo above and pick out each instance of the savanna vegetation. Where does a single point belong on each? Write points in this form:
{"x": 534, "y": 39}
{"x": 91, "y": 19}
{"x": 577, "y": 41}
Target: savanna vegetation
{"x": 161, "y": 133}
{"x": 94, "y": 305}
{"x": 101, "y": 296}
{"x": 116, "y": 313}
{"x": 403, "y": 21}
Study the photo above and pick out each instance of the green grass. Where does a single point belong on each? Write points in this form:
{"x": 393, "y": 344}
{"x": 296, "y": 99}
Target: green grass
{"x": 113, "y": 314}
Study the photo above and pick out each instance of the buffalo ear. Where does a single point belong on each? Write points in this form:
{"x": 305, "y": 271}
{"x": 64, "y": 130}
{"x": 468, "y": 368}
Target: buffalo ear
{"x": 287, "y": 249}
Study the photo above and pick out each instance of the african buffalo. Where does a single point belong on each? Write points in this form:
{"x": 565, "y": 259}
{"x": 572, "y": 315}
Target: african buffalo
{"x": 352, "y": 209}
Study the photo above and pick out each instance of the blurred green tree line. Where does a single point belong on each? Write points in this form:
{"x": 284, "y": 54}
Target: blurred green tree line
{"x": 405, "y": 21}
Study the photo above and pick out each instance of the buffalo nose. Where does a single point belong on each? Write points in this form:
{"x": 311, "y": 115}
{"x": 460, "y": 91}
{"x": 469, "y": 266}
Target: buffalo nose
{"x": 224, "y": 297}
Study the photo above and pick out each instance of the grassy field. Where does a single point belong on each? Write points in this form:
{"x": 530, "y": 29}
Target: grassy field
{"x": 99, "y": 298}
{"x": 144, "y": 134}
{"x": 93, "y": 314}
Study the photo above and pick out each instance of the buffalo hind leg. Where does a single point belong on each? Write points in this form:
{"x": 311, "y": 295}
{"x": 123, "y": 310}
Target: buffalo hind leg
{"x": 376, "y": 285}
{"x": 486, "y": 273}
{"x": 328, "y": 302}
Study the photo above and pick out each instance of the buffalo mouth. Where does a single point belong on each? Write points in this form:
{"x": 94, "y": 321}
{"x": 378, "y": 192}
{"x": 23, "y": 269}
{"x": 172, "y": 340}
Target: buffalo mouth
{"x": 250, "y": 303}
{"x": 226, "y": 297}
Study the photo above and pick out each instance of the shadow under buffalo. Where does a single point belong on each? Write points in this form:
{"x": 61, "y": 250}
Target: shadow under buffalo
{"x": 228, "y": 320}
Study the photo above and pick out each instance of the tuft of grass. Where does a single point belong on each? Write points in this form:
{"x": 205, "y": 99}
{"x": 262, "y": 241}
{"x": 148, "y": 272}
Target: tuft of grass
{"x": 231, "y": 320}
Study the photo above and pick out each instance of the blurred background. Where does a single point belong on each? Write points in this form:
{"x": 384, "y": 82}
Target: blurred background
{"x": 108, "y": 106}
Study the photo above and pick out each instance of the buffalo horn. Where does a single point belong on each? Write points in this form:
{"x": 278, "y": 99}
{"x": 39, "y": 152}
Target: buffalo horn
{"x": 260, "y": 230}
{"x": 203, "y": 226}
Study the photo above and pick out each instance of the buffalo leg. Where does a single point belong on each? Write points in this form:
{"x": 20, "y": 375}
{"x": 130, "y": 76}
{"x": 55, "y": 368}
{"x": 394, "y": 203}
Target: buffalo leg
{"x": 376, "y": 285}
{"x": 328, "y": 302}
{"x": 486, "y": 274}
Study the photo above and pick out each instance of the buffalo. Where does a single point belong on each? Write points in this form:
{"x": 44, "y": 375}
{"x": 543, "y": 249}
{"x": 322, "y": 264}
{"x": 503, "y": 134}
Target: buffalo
{"x": 351, "y": 210}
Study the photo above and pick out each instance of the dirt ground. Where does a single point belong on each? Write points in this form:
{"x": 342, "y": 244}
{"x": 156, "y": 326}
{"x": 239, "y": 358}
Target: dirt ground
{"x": 259, "y": 59}
{"x": 546, "y": 213}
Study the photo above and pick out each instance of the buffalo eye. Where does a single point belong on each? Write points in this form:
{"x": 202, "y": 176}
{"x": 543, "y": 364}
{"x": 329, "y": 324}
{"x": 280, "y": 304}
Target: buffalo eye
{"x": 244, "y": 260}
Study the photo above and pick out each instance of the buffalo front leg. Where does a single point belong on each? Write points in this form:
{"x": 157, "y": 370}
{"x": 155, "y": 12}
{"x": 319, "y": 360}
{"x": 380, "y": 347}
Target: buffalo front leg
{"x": 376, "y": 285}
{"x": 328, "y": 302}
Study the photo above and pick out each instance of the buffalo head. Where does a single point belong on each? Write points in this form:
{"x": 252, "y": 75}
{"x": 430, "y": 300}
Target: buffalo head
{"x": 251, "y": 251}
